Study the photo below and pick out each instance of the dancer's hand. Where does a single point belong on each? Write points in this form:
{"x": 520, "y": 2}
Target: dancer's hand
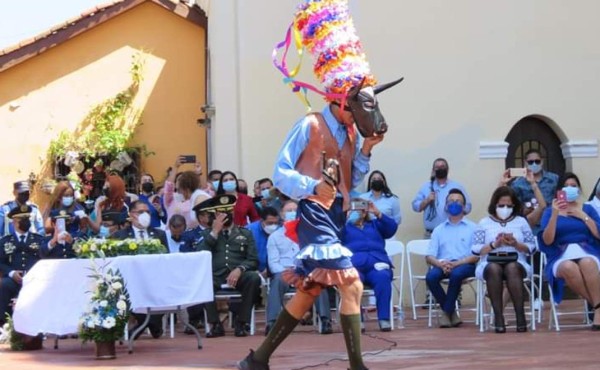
{"x": 325, "y": 190}
{"x": 369, "y": 143}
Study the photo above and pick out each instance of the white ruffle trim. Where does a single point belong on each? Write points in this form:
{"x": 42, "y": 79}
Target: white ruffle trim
{"x": 323, "y": 252}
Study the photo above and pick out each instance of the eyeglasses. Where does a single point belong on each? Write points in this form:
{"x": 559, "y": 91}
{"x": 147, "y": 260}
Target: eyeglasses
{"x": 505, "y": 206}
{"x": 536, "y": 161}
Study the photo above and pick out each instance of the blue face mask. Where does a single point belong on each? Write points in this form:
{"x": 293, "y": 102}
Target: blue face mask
{"x": 572, "y": 193}
{"x": 354, "y": 216}
{"x": 454, "y": 208}
{"x": 104, "y": 232}
{"x": 215, "y": 184}
{"x": 290, "y": 216}
{"x": 535, "y": 168}
{"x": 230, "y": 185}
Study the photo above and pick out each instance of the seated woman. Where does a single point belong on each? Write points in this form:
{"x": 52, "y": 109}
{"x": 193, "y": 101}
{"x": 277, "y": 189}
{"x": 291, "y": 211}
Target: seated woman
{"x": 60, "y": 245}
{"x": 113, "y": 201}
{"x": 380, "y": 194}
{"x": 366, "y": 239}
{"x": 504, "y": 232}
{"x": 63, "y": 202}
{"x": 571, "y": 242}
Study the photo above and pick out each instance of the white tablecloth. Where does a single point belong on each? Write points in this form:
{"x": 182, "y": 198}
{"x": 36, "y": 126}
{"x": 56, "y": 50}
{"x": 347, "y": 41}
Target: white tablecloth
{"x": 56, "y": 293}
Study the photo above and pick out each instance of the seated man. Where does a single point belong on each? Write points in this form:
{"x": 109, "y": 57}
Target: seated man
{"x": 177, "y": 239}
{"x": 19, "y": 251}
{"x": 261, "y": 229}
{"x": 281, "y": 252}
{"x": 112, "y": 222}
{"x": 234, "y": 262}
{"x": 60, "y": 245}
{"x": 450, "y": 256}
{"x": 139, "y": 214}
{"x": 269, "y": 196}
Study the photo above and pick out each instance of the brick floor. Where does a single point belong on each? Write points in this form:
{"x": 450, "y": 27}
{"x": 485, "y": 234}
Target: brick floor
{"x": 414, "y": 347}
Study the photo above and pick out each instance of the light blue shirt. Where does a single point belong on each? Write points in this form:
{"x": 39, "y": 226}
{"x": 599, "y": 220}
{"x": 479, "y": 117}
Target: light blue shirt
{"x": 452, "y": 241}
{"x": 281, "y": 251}
{"x": 435, "y": 214}
{"x": 389, "y": 206}
{"x": 298, "y": 186}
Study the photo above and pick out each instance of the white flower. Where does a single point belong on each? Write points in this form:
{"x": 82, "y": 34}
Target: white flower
{"x": 93, "y": 247}
{"x": 121, "y": 305}
{"x": 103, "y": 303}
{"x": 122, "y": 297}
{"x": 90, "y": 324}
{"x": 117, "y": 286}
{"x": 109, "y": 322}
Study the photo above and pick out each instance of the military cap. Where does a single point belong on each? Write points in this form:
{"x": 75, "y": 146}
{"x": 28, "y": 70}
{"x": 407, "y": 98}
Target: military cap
{"x": 117, "y": 217}
{"x": 20, "y": 211}
{"x": 21, "y": 186}
{"x": 198, "y": 202}
{"x": 220, "y": 203}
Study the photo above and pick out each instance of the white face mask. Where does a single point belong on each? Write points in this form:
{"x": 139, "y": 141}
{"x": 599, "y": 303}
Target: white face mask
{"x": 270, "y": 229}
{"x": 178, "y": 197}
{"x": 503, "y": 212}
{"x": 144, "y": 219}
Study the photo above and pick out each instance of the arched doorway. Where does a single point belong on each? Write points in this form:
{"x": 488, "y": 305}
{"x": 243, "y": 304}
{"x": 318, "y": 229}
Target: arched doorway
{"x": 533, "y": 133}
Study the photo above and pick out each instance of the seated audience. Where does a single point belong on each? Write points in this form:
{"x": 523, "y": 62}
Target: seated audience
{"x": 177, "y": 239}
{"x": 594, "y": 199}
{"x": 261, "y": 230}
{"x": 269, "y": 196}
{"x": 504, "y": 240}
{"x": 380, "y": 194}
{"x": 365, "y": 238}
{"x": 234, "y": 262}
{"x": 63, "y": 199}
{"x": 113, "y": 201}
{"x": 19, "y": 251}
{"x": 571, "y": 241}
{"x": 60, "y": 245}
{"x": 450, "y": 257}
{"x": 244, "y": 208}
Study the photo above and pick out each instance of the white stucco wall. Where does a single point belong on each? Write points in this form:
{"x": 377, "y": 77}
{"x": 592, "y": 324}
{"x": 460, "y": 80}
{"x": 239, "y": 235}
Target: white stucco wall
{"x": 473, "y": 68}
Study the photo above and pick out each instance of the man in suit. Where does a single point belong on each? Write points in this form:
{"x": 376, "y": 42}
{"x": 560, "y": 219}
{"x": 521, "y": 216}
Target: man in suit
{"x": 19, "y": 251}
{"x": 139, "y": 214}
{"x": 234, "y": 262}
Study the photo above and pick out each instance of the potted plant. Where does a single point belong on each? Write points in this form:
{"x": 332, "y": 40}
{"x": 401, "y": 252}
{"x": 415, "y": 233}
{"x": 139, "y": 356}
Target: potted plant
{"x": 105, "y": 321}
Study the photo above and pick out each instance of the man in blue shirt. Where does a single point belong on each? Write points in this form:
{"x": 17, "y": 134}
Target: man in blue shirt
{"x": 450, "y": 257}
{"x": 21, "y": 191}
{"x": 261, "y": 230}
{"x": 431, "y": 196}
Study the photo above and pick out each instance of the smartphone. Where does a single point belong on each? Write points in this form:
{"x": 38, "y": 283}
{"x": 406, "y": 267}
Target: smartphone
{"x": 188, "y": 158}
{"x": 517, "y": 172}
{"x": 60, "y": 225}
{"x": 561, "y": 195}
{"x": 359, "y": 205}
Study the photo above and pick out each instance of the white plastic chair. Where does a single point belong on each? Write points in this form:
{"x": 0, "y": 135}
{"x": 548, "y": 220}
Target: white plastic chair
{"x": 393, "y": 248}
{"x": 434, "y": 307}
{"x": 416, "y": 248}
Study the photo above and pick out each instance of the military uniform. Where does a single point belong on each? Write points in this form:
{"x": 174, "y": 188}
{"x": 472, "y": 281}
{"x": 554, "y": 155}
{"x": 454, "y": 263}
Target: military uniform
{"x": 37, "y": 223}
{"x": 18, "y": 252}
{"x": 61, "y": 249}
{"x": 233, "y": 248}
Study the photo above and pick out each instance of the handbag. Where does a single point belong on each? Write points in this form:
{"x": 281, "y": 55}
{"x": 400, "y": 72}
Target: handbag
{"x": 502, "y": 258}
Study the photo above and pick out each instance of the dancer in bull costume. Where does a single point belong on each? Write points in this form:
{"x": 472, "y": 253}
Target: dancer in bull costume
{"x": 321, "y": 160}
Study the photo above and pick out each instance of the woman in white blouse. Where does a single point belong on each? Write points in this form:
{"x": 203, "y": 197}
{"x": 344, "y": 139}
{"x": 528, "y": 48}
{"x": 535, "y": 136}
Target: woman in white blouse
{"x": 504, "y": 240}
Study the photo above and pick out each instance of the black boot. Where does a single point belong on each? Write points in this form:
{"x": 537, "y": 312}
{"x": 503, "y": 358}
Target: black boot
{"x": 250, "y": 363}
{"x": 240, "y": 329}
{"x": 216, "y": 330}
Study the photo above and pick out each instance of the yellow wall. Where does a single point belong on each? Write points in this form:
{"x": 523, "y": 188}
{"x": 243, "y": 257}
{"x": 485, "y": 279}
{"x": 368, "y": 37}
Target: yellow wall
{"x": 56, "y": 90}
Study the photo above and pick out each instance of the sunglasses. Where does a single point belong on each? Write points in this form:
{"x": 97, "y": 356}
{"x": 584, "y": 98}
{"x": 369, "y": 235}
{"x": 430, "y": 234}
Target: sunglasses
{"x": 536, "y": 161}
{"x": 505, "y": 206}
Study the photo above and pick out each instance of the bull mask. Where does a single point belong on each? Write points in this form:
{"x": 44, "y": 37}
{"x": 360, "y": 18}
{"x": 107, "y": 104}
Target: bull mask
{"x": 363, "y": 104}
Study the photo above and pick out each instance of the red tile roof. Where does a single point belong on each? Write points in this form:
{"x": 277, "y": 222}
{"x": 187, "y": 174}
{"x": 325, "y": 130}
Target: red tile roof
{"x": 13, "y": 55}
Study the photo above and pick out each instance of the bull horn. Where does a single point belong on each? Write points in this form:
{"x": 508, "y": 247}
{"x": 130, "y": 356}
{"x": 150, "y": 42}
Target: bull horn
{"x": 383, "y": 87}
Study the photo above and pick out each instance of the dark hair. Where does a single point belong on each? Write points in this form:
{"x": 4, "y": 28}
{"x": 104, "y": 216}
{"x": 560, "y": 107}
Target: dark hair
{"x": 177, "y": 220}
{"x": 533, "y": 150}
{"x": 595, "y": 190}
{"x": 188, "y": 180}
{"x": 214, "y": 172}
{"x": 147, "y": 174}
{"x": 263, "y": 180}
{"x": 504, "y": 191}
{"x": 242, "y": 190}
{"x": 440, "y": 159}
{"x": 268, "y": 211}
{"x": 135, "y": 204}
{"x": 569, "y": 175}
{"x": 220, "y": 188}
{"x": 457, "y": 191}
{"x": 386, "y": 190}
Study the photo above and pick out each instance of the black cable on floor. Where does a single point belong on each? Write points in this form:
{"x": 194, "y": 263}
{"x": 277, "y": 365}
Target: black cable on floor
{"x": 391, "y": 343}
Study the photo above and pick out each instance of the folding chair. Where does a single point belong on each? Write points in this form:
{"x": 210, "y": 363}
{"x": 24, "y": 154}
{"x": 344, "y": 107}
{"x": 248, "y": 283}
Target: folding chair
{"x": 393, "y": 248}
{"x": 434, "y": 307}
{"x": 229, "y": 295}
{"x": 416, "y": 248}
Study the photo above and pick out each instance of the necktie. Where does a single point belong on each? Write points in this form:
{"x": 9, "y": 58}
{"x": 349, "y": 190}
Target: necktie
{"x": 226, "y": 234}
{"x": 22, "y": 239}
{"x": 142, "y": 237}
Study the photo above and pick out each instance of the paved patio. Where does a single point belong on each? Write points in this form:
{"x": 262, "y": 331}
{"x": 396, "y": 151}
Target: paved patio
{"x": 414, "y": 347}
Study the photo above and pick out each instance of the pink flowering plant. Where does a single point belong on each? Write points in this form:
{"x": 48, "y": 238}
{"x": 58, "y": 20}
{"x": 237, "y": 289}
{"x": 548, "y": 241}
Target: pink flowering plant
{"x": 108, "y": 311}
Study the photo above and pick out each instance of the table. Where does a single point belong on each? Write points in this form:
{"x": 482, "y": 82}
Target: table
{"x": 56, "y": 293}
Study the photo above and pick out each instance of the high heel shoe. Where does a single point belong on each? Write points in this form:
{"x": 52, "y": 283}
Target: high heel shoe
{"x": 596, "y": 327}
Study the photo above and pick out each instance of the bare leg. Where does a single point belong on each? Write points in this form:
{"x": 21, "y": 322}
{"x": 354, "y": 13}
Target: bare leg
{"x": 351, "y": 295}
{"x": 591, "y": 279}
{"x": 350, "y": 320}
{"x": 569, "y": 270}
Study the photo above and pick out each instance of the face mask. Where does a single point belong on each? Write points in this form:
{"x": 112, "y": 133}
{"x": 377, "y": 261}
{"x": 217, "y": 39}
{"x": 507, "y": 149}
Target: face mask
{"x": 572, "y": 193}
{"x": 229, "y": 186}
{"x": 354, "y": 217}
{"x": 104, "y": 232}
{"x": 23, "y": 197}
{"x": 176, "y": 238}
{"x": 270, "y": 229}
{"x": 266, "y": 193}
{"x": 441, "y": 173}
{"x": 377, "y": 185}
{"x": 503, "y": 212}
{"x": 535, "y": 168}
{"x": 147, "y": 187}
{"x": 106, "y": 192}
{"x": 144, "y": 219}
{"x": 290, "y": 216}
{"x": 24, "y": 224}
{"x": 67, "y": 201}
{"x": 215, "y": 185}
{"x": 455, "y": 209}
